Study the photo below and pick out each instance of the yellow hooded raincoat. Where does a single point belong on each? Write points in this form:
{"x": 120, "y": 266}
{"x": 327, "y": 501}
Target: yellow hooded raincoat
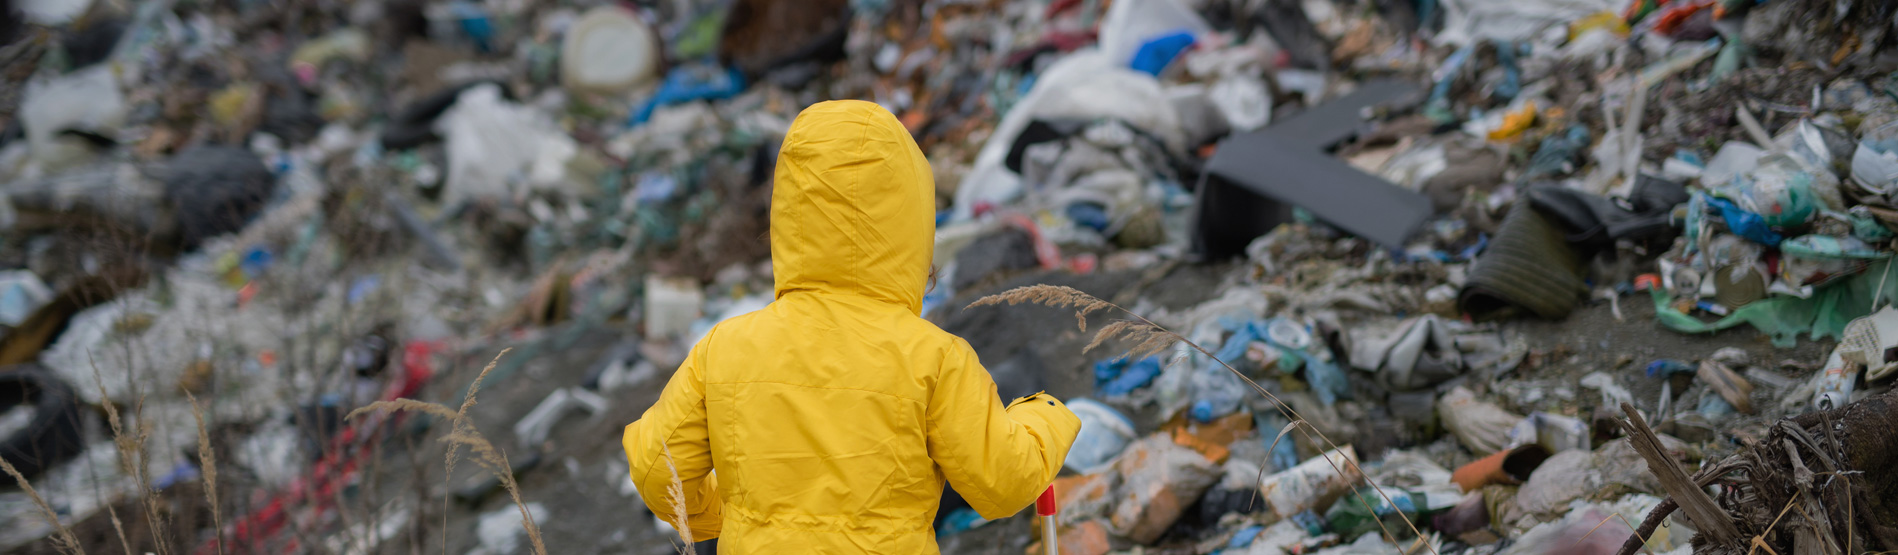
{"x": 834, "y": 415}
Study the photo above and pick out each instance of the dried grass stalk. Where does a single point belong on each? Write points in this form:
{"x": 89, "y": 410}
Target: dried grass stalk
{"x": 118, "y": 526}
{"x": 62, "y": 538}
{"x": 402, "y": 405}
{"x": 208, "y": 460}
{"x": 463, "y": 434}
{"x": 132, "y": 460}
{"x": 467, "y": 402}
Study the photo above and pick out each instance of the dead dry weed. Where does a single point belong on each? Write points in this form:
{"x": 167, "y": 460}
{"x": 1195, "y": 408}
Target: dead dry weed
{"x": 463, "y": 434}
{"x": 62, "y": 539}
{"x": 208, "y": 460}
{"x": 133, "y": 460}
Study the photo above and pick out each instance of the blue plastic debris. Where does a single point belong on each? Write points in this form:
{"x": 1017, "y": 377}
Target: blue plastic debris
{"x": 474, "y": 22}
{"x": 1284, "y": 454}
{"x": 184, "y": 472}
{"x": 1311, "y": 522}
{"x": 362, "y": 287}
{"x": 655, "y": 187}
{"x": 1557, "y": 154}
{"x": 687, "y": 83}
{"x": 1089, "y": 215}
{"x": 1105, "y": 433}
{"x": 1326, "y": 378}
{"x": 1156, "y": 54}
{"x": 1690, "y": 157}
{"x": 1713, "y": 407}
{"x": 1437, "y": 107}
{"x": 1746, "y": 224}
{"x": 1245, "y": 536}
{"x": 1120, "y": 376}
{"x": 255, "y": 261}
{"x": 1482, "y": 241}
{"x": 1512, "y": 73}
{"x": 936, "y": 298}
{"x": 1667, "y": 367}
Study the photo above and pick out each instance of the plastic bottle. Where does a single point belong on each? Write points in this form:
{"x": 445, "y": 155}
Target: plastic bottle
{"x": 1835, "y": 383}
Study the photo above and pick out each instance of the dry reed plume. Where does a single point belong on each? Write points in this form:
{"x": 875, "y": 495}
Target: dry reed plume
{"x": 675, "y": 493}
{"x": 463, "y": 434}
{"x": 1149, "y": 338}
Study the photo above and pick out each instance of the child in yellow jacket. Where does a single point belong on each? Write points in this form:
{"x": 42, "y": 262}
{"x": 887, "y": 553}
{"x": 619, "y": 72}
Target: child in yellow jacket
{"x": 834, "y": 416}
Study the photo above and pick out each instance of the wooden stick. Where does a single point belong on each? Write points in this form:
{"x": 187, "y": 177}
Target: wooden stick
{"x": 1700, "y": 507}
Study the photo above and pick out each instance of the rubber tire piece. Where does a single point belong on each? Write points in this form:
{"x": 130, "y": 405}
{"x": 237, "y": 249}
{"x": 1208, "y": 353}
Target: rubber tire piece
{"x": 1529, "y": 265}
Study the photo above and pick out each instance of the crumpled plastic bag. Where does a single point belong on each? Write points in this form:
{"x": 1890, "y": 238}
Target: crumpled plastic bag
{"x": 1875, "y": 169}
{"x": 1420, "y": 354}
{"x": 1567, "y": 476}
{"x": 1555, "y": 432}
{"x": 1481, "y": 426}
{"x": 1085, "y": 85}
{"x": 1466, "y": 21}
{"x": 1610, "y": 470}
{"x": 87, "y": 99}
{"x": 1132, "y": 23}
{"x": 492, "y": 143}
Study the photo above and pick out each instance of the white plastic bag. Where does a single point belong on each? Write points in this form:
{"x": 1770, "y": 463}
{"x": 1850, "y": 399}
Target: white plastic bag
{"x": 493, "y": 143}
{"x": 1244, "y": 101}
{"x": 88, "y": 99}
{"x": 1481, "y": 426}
{"x": 1467, "y": 21}
{"x": 1131, "y": 23}
{"x": 1085, "y": 85}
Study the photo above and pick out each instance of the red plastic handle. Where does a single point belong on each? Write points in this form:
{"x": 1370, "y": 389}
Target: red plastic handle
{"x": 1044, "y": 505}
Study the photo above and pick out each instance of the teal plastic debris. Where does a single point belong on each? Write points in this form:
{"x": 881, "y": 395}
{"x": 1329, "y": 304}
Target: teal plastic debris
{"x": 1557, "y": 154}
{"x": 961, "y": 520}
{"x": 1866, "y": 227}
{"x": 1714, "y": 408}
{"x": 1816, "y": 260}
{"x": 1782, "y": 318}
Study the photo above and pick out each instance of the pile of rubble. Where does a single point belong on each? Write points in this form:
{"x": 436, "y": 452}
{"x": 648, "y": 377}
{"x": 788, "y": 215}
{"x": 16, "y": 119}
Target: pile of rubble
{"x": 232, "y": 222}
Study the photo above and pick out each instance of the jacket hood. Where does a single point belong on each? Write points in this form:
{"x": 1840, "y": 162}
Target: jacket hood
{"x": 852, "y": 206}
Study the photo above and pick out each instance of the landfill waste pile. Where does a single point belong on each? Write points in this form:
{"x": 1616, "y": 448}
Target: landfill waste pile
{"x": 1446, "y": 276}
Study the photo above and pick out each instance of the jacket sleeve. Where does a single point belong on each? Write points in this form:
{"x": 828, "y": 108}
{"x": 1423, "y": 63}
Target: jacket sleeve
{"x": 670, "y": 442}
{"x": 998, "y": 458}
